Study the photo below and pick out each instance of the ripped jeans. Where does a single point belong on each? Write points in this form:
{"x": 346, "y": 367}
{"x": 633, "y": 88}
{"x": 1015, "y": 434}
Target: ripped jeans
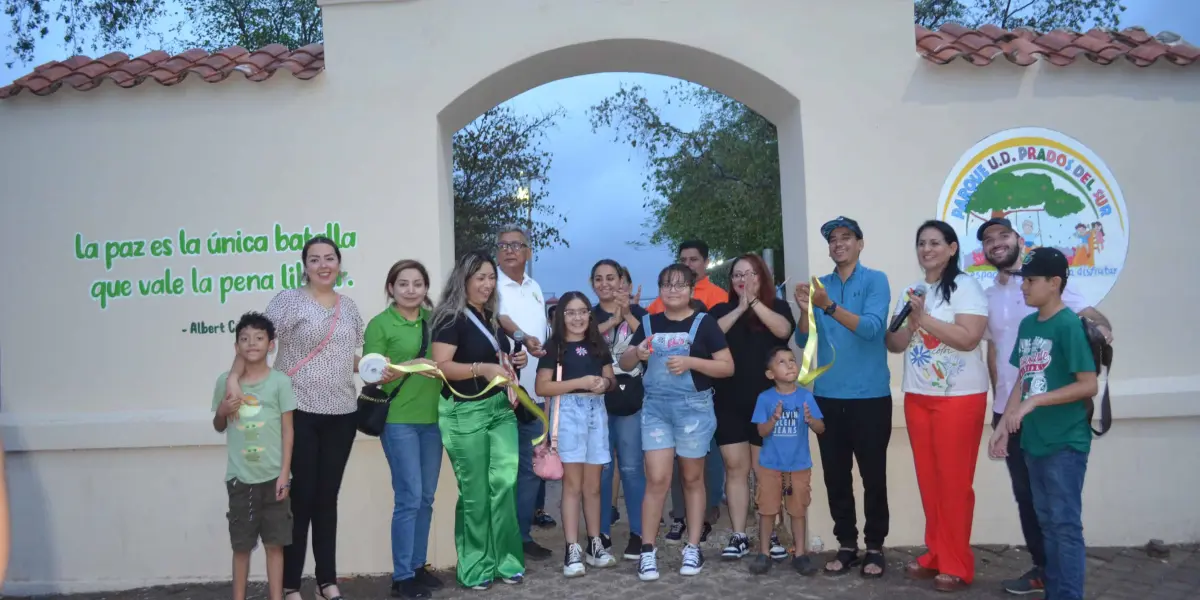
{"x": 685, "y": 422}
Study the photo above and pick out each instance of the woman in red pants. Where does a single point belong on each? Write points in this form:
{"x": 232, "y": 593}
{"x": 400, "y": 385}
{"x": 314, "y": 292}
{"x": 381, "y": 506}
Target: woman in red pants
{"x": 945, "y": 397}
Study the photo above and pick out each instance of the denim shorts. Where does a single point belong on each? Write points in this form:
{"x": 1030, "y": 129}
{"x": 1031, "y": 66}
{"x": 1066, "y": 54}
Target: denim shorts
{"x": 583, "y": 429}
{"x": 684, "y": 422}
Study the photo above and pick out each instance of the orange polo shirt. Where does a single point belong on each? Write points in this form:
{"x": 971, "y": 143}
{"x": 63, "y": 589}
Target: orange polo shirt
{"x": 705, "y": 291}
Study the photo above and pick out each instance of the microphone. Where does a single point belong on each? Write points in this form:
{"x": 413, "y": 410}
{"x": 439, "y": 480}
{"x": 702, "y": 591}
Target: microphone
{"x": 518, "y": 338}
{"x": 898, "y": 320}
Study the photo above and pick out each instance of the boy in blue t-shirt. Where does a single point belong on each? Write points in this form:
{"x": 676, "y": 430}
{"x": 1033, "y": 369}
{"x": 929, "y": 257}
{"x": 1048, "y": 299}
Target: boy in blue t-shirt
{"x": 784, "y": 415}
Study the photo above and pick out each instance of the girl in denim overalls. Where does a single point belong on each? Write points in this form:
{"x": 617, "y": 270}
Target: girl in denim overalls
{"x": 683, "y": 352}
{"x": 575, "y": 372}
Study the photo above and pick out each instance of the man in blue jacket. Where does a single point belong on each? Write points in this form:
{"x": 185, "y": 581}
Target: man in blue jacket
{"x": 854, "y": 395}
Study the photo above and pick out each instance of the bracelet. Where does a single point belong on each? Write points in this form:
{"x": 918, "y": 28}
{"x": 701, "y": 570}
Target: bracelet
{"x": 474, "y": 366}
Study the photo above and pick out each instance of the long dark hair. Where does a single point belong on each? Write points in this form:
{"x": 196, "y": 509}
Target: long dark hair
{"x": 394, "y": 272}
{"x": 454, "y": 295}
{"x": 766, "y": 286}
{"x": 591, "y": 337}
{"x": 946, "y": 284}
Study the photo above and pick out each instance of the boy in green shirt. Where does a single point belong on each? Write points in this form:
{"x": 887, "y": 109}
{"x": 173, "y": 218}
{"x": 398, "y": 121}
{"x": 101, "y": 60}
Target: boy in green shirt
{"x": 258, "y": 434}
{"x": 1057, "y": 375}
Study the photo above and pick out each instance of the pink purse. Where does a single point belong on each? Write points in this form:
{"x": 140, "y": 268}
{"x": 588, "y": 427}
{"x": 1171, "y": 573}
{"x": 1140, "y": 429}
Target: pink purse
{"x": 337, "y": 314}
{"x": 546, "y": 462}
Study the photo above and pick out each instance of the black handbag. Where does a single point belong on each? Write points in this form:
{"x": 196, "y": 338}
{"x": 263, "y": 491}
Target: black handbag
{"x": 374, "y": 403}
{"x": 625, "y": 398}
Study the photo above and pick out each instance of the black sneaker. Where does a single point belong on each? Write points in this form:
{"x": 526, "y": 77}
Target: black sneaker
{"x": 760, "y": 565}
{"x": 536, "y": 552}
{"x": 633, "y": 550}
{"x": 573, "y": 561}
{"x": 675, "y": 533}
{"x": 647, "y": 564}
{"x": 693, "y": 560}
{"x": 738, "y": 547}
{"x": 607, "y": 540}
{"x": 704, "y": 533}
{"x": 1031, "y": 582}
{"x": 426, "y": 578}
{"x": 409, "y": 588}
{"x": 541, "y": 519}
{"x": 804, "y": 565}
{"x": 778, "y": 552}
{"x": 597, "y": 555}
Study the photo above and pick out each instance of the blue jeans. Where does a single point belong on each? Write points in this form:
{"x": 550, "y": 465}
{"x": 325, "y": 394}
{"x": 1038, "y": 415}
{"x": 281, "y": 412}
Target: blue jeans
{"x": 1057, "y": 482}
{"x": 625, "y": 438}
{"x": 529, "y": 485}
{"x": 414, "y": 455}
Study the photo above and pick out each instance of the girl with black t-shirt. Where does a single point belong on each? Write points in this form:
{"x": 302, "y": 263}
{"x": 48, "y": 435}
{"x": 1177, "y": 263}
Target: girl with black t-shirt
{"x": 479, "y": 433}
{"x": 576, "y": 371}
{"x": 755, "y": 322}
{"x": 683, "y": 352}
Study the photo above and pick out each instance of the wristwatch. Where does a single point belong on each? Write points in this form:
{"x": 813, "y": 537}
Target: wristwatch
{"x": 829, "y": 310}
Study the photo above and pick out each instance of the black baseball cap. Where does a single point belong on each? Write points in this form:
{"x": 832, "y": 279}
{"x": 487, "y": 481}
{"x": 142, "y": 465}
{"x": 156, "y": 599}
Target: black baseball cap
{"x": 1045, "y": 262}
{"x": 989, "y": 223}
{"x": 848, "y": 223}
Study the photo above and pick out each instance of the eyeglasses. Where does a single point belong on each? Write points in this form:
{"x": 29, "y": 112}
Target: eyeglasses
{"x": 512, "y": 246}
{"x": 576, "y": 314}
{"x": 743, "y": 275}
{"x": 674, "y": 287}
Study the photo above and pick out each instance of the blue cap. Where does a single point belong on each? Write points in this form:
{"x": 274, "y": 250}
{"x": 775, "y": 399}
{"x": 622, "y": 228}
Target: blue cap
{"x": 848, "y": 223}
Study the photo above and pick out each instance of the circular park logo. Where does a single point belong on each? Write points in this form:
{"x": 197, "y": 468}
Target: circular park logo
{"x": 1054, "y": 190}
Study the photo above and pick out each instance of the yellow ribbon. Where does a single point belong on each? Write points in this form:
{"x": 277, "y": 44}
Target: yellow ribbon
{"x": 497, "y": 381}
{"x": 809, "y": 371}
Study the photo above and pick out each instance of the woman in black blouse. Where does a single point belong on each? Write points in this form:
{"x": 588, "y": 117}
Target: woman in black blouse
{"x": 754, "y": 322}
{"x": 479, "y": 433}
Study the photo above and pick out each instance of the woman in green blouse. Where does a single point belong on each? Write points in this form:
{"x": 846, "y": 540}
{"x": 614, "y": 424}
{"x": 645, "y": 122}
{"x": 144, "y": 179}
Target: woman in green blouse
{"x": 411, "y": 440}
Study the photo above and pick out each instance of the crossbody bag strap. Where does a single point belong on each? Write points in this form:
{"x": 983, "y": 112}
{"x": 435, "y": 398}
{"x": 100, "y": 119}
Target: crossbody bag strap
{"x": 337, "y": 315}
{"x": 557, "y": 404}
{"x": 487, "y": 333}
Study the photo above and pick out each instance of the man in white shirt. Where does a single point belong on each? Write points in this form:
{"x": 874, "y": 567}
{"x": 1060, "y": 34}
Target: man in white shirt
{"x": 1006, "y": 308}
{"x": 523, "y": 308}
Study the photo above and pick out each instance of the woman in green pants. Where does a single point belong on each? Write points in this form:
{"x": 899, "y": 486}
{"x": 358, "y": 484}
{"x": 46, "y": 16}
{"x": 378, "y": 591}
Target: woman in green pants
{"x": 479, "y": 428}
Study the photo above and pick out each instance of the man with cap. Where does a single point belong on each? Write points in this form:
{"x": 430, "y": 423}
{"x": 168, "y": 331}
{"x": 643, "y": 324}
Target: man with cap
{"x": 1006, "y": 308}
{"x": 1056, "y": 376}
{"x": 854, "y": 394}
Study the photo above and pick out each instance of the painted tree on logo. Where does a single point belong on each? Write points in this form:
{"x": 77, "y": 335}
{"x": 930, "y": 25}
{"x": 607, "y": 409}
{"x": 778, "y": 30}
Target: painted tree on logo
{"x": 1002, "y": 194}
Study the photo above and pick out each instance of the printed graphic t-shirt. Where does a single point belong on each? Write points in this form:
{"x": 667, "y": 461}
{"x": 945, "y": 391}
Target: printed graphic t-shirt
{"x": 786, "y": 449}
{"x": 933, "y": 368}
{"x": 255, "y": 438}
{"x": 579, "y": 360}
{"x": 1048, "y": 354}
{"x": 618, "y": 337}
{"x": 709, "y": 339}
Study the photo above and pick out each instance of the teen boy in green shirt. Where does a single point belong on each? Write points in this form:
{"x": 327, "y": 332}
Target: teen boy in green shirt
{"x": 258, "y": 433}
{"x": 1057, "y": 375}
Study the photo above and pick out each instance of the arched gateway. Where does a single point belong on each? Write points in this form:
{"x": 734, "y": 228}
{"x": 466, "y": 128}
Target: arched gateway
{"x": 140, "y": 221}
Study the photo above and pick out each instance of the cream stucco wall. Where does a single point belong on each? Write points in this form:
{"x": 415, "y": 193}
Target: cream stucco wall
{"x": 114, "y": 470}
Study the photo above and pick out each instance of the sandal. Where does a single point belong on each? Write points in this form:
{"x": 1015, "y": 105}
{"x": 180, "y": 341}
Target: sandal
{"x": 287, "y": 594}
{"x": 322, "y": 589}
{"x": 914, "y": 570}
{"x": 949, "y": 583}
{"x": 848, "y": 557}
{"x": 873, "y": 557}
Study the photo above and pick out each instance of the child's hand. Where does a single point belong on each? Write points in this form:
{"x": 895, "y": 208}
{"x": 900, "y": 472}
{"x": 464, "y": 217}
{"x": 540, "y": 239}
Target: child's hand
{"x": 998, "y": 445}
{"x": 778, "y": 411}
{"x": 807, "y": 415}
{"x": 281, "y": 487}
{"x": 229, "y": 407}
{"x": 678, "y": 365}
{"x": 643, "y": 350}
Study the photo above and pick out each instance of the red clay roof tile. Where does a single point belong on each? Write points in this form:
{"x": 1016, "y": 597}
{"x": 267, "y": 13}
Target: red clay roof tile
{"x": 951, "y": 41}
{"x": 1060, "y": 47}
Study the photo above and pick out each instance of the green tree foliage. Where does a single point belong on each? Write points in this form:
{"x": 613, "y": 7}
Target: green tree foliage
{"x": 213, "y": 24}
{"x": 500, "y": 172}
{"x": 1040, "y": 15}
{"x": 1002, "y": 194}
{"x": 718, "y": 182}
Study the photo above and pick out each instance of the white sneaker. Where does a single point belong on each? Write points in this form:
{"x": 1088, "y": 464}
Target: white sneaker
{"x": 573, "y": 562}
{"x": 648, "y": 566}
{"x": 693, "y": 560}
{"x": 598, "y": 556}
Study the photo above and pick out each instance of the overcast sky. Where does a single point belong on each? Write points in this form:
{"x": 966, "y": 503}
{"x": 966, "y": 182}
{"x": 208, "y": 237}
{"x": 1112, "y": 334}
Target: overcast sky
{"x": 595, "y": 180}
